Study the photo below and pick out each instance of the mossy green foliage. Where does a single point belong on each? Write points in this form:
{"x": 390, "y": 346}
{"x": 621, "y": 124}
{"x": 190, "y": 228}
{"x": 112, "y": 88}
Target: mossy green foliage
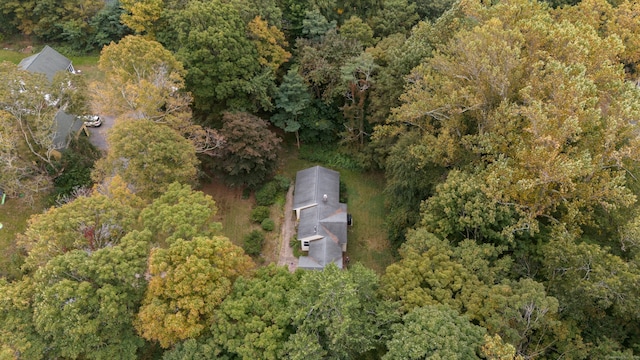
{"x": 77, "y": 162}
{"x": 253, "y": 242}
{"x": 268, "y": 224}
{"x": 267, "y": 194}
{"x": 259, "y": 213}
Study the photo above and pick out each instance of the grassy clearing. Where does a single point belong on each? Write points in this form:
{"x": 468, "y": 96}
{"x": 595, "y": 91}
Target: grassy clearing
{"x": 234, "y": 214}
{"x": 233, "y": 210}
{"x": 368, "y": 241}
{"x": 12, "y": 56}
{"x": 14, "y": 215}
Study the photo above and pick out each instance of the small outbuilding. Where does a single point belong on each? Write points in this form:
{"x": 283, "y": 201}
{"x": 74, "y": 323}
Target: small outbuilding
{"x": 322, "y": 218}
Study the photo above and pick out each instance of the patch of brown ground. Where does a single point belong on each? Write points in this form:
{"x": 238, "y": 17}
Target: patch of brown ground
{"x": 234, "y": 214}
{"x": 286, "y": 257}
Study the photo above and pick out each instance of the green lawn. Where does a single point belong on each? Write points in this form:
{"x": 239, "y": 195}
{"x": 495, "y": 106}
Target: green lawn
{"x": 14, "y": 215}
{"x": 11, "y": 56}
{"x": 368, "y": 241}
{"x": 88, "y": 64}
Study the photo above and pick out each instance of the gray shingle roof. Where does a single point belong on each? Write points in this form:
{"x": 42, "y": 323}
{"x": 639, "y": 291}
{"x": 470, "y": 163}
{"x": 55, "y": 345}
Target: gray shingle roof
{"x": 47, "y": 62}
{"x": 66, "y": 125}
{"x": 323, "y": 223}
{"x": 313, "y": 183}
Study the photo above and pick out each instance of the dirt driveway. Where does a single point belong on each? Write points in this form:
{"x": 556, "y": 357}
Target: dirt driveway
{"x": 286, "y": 257}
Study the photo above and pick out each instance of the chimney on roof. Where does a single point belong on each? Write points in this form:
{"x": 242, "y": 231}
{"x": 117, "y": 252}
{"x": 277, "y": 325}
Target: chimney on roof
{"x": 324, "y": 198}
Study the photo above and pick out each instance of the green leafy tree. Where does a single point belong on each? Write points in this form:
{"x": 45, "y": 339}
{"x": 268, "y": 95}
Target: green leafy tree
{"x": 188, "y": 282}
{"x": 434, "y": 332}
{"x": 397, "y": 55}
{"x": 292, "y": 100}
{"x": 88, "y": 223}
{"x": 145, "y": 81}
{"x": 107, "y": 25}
{"x": 180, "y": 213}
{"x": 93, "y": 298}
{"x": 355, "y": 28}
{"x": 595, "y": 287}
{"x": 221, "y": 77}
{"x": 149, "y": 156}
{"x": 396, "y": 16}
{"x": 337, "y": 314}
{"x": 473, "y": 280}
{"x": 250, "y": 153}
{"x": 254, "y": 321}
{"x": 28, "y": 129}
{"x": 18, "y": 334}
{"x": 460, "y": 210}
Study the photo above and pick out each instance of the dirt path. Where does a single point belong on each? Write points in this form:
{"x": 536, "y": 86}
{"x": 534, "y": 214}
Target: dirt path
{"x": 288, "y": 229}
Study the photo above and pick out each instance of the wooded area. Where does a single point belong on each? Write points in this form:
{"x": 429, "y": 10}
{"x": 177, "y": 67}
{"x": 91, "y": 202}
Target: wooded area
{"x": 507, "y": 133}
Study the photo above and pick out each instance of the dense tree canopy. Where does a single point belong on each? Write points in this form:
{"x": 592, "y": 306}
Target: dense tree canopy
{"x": 188, "y": 281}
{"x": 148, "y": 156}
{"x": 28, "y": 128}
{"x": 507, "y": 132}
{"x": 251, "y": 153}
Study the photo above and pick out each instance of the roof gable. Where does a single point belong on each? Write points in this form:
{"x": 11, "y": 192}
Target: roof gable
{"x": 313, "y": 183}
{"x": 47, "y": 62}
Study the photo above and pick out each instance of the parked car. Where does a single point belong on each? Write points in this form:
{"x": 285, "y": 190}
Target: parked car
{"x": 91, "y": 120}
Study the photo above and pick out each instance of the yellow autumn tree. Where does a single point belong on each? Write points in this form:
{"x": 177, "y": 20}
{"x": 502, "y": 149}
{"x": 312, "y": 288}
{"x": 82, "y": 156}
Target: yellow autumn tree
{"x": 141, "y": 15}
{"x": 270, "y": 43}
{"x": 188, "y": 282}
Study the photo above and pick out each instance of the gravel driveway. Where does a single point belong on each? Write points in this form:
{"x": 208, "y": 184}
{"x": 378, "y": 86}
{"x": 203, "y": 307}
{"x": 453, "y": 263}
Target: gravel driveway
{"x": 286, "y": 257}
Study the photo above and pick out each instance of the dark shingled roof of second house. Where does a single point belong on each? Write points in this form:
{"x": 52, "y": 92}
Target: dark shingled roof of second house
{"x": 47, "y": 62}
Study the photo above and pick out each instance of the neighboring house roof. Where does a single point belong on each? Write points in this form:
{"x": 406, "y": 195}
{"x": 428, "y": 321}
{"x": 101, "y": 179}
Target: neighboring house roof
{"x": 323, "y": 218}
{"x": 47, "y": 62}
{"x": 66, "y": 125}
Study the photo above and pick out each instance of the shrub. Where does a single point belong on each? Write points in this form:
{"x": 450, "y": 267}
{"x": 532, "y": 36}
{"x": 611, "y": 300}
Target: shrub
{"x": 268, "y": 224}
{"x": 282, "y": 181}
{"x": 343, "y": 192}
{"x": 329, "y": 156}
{"x": 294, "y": 243}
{"x": 259, "y": 213}
{"x": 77, "y": 162}
{"x": 266, "y": 196}
{"x": 246, "y": 192}
{"x": 253, "y": 242}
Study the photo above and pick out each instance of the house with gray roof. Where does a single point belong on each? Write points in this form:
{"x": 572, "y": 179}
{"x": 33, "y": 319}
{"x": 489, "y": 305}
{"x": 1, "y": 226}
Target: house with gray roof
{"x": 47, "y": 62}
{"x": 322, "y": 218}
{"x": 50, "y": 62}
